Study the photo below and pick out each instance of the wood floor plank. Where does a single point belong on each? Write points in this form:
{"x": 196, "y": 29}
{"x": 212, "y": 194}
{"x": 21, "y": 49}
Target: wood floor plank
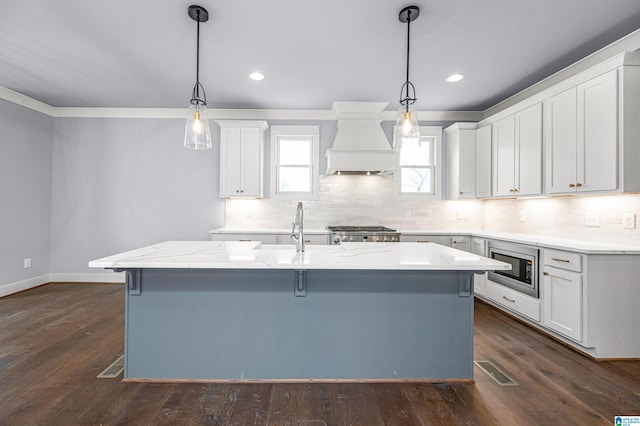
{"x": 55, "y": 340}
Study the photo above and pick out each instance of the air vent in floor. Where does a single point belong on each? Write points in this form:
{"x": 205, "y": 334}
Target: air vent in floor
{"x": 113, "y": 370}
{"x": 495, "y": 373}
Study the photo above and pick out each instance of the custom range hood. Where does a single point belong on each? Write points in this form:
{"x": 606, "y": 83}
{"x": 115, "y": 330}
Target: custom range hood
{"x": 360, "y": 144}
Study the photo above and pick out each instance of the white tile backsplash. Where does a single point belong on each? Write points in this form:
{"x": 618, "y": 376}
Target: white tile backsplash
{"x": 368, "y": 200}
{"x": 357, "y": 200}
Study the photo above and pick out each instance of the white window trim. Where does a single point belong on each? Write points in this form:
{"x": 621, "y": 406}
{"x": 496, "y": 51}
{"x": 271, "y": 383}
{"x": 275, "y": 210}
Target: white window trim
{"x": 435, "y": 131}
{"x": 306, "y": 131}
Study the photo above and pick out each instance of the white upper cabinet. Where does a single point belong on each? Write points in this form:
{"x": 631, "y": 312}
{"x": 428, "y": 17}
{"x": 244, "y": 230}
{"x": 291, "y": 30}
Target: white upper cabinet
{"x": 483, "y": 162}
{"x": 468, "y": 161}
{"x": 241, "y": 158}
{"x": 581, "y": 128}
{"x": 461, "y": 161}
{"x": 517, "y": 153}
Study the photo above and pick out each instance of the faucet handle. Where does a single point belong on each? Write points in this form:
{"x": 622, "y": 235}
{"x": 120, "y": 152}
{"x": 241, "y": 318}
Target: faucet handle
{"x": 293, "y": 231}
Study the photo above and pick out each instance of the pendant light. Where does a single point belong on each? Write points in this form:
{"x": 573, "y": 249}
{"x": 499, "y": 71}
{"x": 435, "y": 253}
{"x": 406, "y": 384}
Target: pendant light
{"x": 407, "y": 122}
{"x": 197, "y": 134}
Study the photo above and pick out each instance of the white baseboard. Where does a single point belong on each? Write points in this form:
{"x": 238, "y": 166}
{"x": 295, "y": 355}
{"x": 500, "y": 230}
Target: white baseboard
{"x": 107, "y": 277}
{"x": 10, "y": 288}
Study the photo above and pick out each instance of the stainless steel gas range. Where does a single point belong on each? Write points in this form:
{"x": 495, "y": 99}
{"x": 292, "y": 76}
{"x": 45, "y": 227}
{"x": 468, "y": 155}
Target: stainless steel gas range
{"x": 371, "y": 234}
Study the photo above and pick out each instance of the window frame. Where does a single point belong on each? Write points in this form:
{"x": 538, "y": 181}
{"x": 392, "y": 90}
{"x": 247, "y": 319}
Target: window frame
{"x": 289, "y": 131}
{"x": 434, "y": 132}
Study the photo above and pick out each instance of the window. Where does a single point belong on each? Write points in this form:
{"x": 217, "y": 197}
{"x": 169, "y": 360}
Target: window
{"x": 418, "y": 174}
{"x": 294, "y": 162}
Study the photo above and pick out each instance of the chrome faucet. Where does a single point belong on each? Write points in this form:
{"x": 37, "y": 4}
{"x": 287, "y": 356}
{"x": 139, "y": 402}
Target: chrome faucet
{"x": 299, "y": 236}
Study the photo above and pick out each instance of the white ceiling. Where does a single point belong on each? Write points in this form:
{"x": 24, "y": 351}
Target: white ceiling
{"x": 141, "y": 53}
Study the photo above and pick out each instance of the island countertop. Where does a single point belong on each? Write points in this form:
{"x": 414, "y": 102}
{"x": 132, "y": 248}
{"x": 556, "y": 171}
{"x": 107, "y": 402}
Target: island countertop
{"x": 253, "y": 255}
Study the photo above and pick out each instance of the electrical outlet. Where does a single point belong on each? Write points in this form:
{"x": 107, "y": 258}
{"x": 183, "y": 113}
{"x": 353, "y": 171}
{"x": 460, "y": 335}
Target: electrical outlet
{"x": 249, "y": 214}
{"x": 459, "y": 215}
{"x": 592, "y": 219}
{"x": 629, "y": 221}
{"x": 523, "y": 216}
{"x": 27, "y": 263}
{"x": 407, "y": 213}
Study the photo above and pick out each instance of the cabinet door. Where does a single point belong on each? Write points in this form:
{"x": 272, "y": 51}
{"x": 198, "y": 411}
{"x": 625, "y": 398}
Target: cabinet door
{"x": 251, "y": 163}
{"x": 528, "y": 151}
{"x": 597, "y": 159}
{"x": 483, "y": 162}
{"x": 561, "y": 142}
{"x": 503, "y": 154}
{"x": 460, "y": 242}
{"x": 467, "y": 164}
{"x": 230, "y": 165}
{"x": 562, "y": 302}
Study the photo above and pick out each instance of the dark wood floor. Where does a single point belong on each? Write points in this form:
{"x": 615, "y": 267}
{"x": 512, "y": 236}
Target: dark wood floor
{"x": 55, "y": 340}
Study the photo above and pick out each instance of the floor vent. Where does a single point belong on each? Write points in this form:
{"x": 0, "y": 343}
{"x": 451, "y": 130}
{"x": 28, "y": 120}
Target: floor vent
{"x": 114, "y": 370}
{"x": 495, "y": 373}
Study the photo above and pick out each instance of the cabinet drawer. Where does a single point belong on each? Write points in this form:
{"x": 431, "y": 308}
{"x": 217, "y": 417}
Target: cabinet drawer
{"x": 437, "y": 239}
{"x": 263, "y": 238}
{"x": 308, "y": 239}
{"x": 518, "y": 302}
{"x": 563, "y": 260}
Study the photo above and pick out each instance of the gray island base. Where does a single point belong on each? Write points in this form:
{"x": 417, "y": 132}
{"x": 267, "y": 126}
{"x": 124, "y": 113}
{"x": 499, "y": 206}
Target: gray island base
{"x": 255, "y": 324}
{"x": 243, "y": 311}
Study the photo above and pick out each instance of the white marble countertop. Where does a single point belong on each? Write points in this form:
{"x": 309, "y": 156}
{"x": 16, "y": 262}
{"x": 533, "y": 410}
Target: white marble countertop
{"x": 580, "y": 246}
{"x": 253, "y": 255}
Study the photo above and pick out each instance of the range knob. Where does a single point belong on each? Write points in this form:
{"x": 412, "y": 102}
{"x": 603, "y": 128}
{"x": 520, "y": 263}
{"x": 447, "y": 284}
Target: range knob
{"x": 336, "y": 240}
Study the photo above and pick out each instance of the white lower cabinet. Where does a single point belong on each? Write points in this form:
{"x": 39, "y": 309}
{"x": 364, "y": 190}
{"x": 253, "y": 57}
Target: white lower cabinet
{"x": 460, "y": 242}
{"x": 478, "y": 246}
{"x": 562, "y": 302}
{"x": 419, "y": 238}
{"x": 513, "y": 300}
{"x": 313, "y": 239}
{"x": 263, "y": 238}
{"x": 308, "y": 239}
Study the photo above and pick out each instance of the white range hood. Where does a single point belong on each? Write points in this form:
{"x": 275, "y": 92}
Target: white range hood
{"x": 360, "y": 144}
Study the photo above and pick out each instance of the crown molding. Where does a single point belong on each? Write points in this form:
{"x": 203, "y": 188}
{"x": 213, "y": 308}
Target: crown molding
{"x": 216, "y": 114}
{"x": 25, "y": 101}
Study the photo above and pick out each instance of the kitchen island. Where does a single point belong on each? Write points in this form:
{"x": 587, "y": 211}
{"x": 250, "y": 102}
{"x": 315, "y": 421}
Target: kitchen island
{"x": 232, "y": 311}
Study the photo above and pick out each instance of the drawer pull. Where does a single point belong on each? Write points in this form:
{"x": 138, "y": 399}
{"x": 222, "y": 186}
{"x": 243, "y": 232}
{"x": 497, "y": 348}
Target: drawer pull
{"x": 508, "y": 300}
{"x": 545, "y": 273}
{"x": 244, "y": 240}
{"x": 557, "y": 259}
{"x": 422, "y": 241}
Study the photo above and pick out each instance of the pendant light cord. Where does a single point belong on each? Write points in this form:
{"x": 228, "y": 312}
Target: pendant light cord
{"x": 408, "y": 43}
{"x": 198, "y": 49}
{"x": 196, "y": 99}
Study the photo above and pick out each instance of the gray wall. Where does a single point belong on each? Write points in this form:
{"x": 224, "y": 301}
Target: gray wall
{"x": 25, "y": 192}
{"x": 120, "y": 184}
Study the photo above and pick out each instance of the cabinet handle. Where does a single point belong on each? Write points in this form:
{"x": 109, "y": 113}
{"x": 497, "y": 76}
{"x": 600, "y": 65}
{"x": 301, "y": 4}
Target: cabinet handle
{"x": 511, "y": 190}
{"x": 307, "y": 241}
{"x": 237, "y": 190}
{"x": 422, "y": 241}
{"x": 242, "y": 190}
{"x": 516, "y": 190}
{"x": 244, "y": 240}
{"x": 461, "y": 193}
{"x": 578, "y": 185}
{"x": 455, "y": 242}
{"x": 560, "y": 260}
{"x": 508, "y": 300}
{"x": 571, "y": 185}
{"x": 545, "y": 273}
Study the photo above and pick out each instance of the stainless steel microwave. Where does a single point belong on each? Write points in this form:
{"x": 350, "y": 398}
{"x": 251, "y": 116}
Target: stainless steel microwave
{"x": 523, "y": 276}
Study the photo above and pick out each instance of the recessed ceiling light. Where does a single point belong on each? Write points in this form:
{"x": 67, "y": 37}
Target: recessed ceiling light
{"x": 257, "y": 76}
{"x": 453, "y": 78}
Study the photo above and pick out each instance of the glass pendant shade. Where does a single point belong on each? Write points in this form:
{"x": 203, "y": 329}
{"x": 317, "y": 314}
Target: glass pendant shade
{"x": 197, "y": 134}
{"x": 407, "y": 128}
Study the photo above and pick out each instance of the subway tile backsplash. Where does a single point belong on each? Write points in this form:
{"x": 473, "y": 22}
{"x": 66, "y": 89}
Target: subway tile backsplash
{"x": 368, "y": 200}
